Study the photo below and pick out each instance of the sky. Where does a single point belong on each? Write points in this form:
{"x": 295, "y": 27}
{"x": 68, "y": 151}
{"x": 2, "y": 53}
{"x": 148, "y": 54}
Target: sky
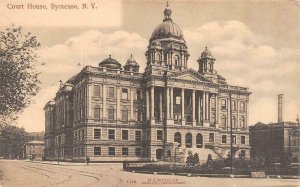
{"x": 255, "y": 43}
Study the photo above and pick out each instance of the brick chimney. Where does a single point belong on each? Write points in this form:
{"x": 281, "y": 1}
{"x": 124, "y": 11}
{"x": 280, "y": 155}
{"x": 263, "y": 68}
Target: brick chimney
{"x": 280, "y": 100}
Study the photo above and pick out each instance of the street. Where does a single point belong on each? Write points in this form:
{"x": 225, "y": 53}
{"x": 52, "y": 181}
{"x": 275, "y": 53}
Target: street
{"x": 24, "y": 173}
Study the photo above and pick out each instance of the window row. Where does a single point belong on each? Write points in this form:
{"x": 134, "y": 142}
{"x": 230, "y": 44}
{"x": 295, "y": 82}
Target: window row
{"x": 111, "y": 114}
{"x": 234, "y": 140}
{"x": 79, "y": 135}
{"x": 233, "y": 105}
{"x": 111, "y": 92}
{"x": 111, "y": 135}
{"x": 112, "y": 151}
{"x": 242, "y": 121}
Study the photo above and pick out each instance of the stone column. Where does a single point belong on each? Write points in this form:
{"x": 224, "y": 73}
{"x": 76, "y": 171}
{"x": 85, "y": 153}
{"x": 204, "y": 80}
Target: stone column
{"x": 168, "y": 103}
{"x": 217, "y": 111}
{"x": 208, "y": 106}
{"x": 104, "y": 107}
{"x": 228, "y": 113}
{"x": 194, "y": 108}
{"x": 118, "y": 104}
{"x": 160, "y": 105}
{"x": 204, "y": 106}
{"x": 237, "y": 114}
{"x": 182, "y": 107}
{"x": 147, "y": 105}
{"x": 152, "y": 102}
{"x": 247, "y": 117}
{"x": 171, "y": 103}
{"x": 132, "y": 98}
{"x": 199, "y": 109}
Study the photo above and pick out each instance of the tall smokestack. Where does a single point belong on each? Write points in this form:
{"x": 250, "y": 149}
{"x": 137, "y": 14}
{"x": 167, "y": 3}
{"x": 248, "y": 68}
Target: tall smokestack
{"x": 280, "y": 100}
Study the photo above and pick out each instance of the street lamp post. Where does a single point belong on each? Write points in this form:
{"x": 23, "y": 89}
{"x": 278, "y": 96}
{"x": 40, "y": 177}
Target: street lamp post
{"x": 231, "y": 136}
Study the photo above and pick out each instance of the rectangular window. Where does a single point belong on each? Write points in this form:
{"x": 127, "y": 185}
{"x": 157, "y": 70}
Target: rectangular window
{"x": 242, "y": 106}
{"x": 111, "y": 92}
{"x": 111, "y": 134}
{"x": 224, "y": 139}
{"x": 124, "y": 134}
{"x": 111, "y": 151}
{"x": 243, "y": 140}
{"x": 211, "y": 137}
{"x": 177, "y": 100}
{"x": 125, "y": 115}
{"x": 124, "y": 93}
{"x": 138, "y": 151}
{"x": 111, "y": 115}
{"x": 233, "y": 105}
{"x": 234, "y": 139}
{"x": 223, "y": 104}
{"x": 138, "y": 135}
{"x": 97, "y": 151}
{"x": 159, "y": 135}
{"x": 97, "y": 134}
{"x": 97, "y": 91}
{"x": 124, "y": 151}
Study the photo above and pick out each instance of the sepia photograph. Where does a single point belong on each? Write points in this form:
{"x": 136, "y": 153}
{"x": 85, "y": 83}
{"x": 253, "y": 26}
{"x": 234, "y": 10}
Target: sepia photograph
{"x": 142, "y": 93}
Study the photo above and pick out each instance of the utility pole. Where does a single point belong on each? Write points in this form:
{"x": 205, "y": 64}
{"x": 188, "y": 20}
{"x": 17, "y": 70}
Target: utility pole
{"x": 231, "y": 136}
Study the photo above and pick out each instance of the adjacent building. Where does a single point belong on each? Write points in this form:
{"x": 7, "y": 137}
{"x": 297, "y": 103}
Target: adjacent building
{"x": 115, "y": 113}
{"x": 275, "y": 141}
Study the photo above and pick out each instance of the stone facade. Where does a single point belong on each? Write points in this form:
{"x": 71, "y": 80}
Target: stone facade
{"x": 110, "y": 113}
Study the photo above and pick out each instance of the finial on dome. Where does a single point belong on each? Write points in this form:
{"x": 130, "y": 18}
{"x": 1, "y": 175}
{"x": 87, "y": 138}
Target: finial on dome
{"x": 131, "y": 55}
{"x": 206, "y": 47}
{"x": 109, "y": 55}
{"x": 167, "y": 12}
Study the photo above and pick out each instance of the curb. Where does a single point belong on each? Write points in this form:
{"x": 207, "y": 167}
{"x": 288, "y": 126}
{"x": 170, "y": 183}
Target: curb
{"x": 216, "y": 175}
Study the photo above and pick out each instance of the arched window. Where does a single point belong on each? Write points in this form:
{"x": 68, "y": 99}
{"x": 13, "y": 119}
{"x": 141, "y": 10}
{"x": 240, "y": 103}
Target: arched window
{"x": 224, "y": 121}
{"x": 188, "y": 140}
{"x": 124, "y": 115}
{"x": 97, "y": 112}
{"x": 158, "y": 57}
{"x": 176, "y": 60}
{"x": 199, "y": 140}
{"x": 111, "y": 113}
{"x": 233, "y": 121}
{"x": 223, "y": 104}
{"x": 242, "y": 122}
{"x": 177, "y": 138}
{"x": 242, "y": 106}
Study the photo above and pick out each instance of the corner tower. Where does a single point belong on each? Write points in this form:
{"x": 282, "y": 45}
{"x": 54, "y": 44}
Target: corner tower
{"x": 167, "y": 48}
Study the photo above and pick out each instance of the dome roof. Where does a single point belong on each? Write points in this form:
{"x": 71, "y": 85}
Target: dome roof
{"x": 207, "y": 54}
{"x": 110, "y": 63}
{"x": 167, "y": 28}
{"x": 131, "y": 61}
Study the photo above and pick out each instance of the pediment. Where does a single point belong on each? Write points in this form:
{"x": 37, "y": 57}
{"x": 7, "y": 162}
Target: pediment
{"x": 189, "y": 75}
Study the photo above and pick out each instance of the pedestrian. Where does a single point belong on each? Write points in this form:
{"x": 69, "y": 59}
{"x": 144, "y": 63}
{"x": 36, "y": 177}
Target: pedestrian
{"x": 87, "y": 160}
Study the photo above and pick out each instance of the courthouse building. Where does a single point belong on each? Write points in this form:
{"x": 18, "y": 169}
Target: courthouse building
{"x": 115, "y": 113}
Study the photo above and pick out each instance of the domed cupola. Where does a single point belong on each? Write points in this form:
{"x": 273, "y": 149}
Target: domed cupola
{"x": 131, "y": 65}
{"x": 167, "y": 29}
{"x": 110, "y": 63}
{"x": 167, "y": 48}
{"x": 206, "y": 62}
